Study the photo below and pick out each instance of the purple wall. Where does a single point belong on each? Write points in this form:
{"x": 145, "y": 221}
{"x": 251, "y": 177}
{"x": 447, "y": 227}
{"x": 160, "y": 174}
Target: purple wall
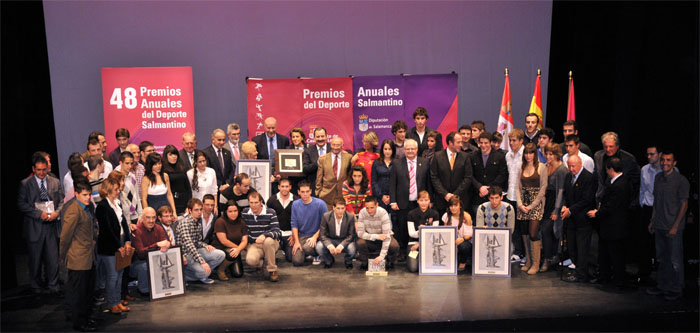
{"x": 226, "y": 41}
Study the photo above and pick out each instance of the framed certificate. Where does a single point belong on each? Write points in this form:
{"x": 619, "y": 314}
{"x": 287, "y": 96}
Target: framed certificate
{"x": 491, "y": 252}
{"x": 288, "y": 162}
{"x": 166, "y": 273}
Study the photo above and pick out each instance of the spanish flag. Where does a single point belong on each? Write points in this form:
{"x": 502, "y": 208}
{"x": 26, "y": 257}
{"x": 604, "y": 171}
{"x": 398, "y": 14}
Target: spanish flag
{"x": 505, "y": 116}
{"x": 536, "y": 105}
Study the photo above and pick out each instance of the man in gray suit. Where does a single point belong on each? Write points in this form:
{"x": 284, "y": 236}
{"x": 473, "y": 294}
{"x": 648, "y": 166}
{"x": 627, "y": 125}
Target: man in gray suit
{"x": 40, "y": 199}
{"x": 233, "y": 145}
{"x": 337, "y": 235}
{"x": 189, "y": 145}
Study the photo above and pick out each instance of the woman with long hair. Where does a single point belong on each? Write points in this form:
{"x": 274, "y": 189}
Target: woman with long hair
{"x": 155, "y": 186}
{"x": 529, "y": 193}
{"x": 202, "y": 178}
{"x": 369, "y": 154}
{"x": 356, "y": 189}
{"x": 113, "y": 237}
{"x": 456, "y": 216}
{"x": 179, "y": 184}
{"x": 297, "y": 139}
{"x": 554, "y": 198}
{"x": 381, "y": 170}
{"x": 232, "y": 238}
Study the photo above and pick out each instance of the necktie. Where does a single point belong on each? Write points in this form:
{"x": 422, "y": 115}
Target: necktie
{"x": 321, "y": 151}
{"x": 170, "y": 235}
{"x": 221, "y": 159}
{"x": 335, "y": 167}
{"x": 271, "y": 152}
{"x": 191, "y": 156}
{"x": 452, "y": 161}
{"x": 235, "y": 151}
{"x": 412, "y": 178}
{"x": 43, "y": 193}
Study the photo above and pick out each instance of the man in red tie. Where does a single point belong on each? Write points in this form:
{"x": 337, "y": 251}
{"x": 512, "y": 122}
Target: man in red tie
{"x": 332, "y": 172}
{"x": 410, "y": 175}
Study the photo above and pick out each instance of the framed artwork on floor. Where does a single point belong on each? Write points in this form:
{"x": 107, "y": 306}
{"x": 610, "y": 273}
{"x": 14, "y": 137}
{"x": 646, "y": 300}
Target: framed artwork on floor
{"x": 165, "y": 273}
{"x": 438, "y": 250}
{"x": 491, "y": 255}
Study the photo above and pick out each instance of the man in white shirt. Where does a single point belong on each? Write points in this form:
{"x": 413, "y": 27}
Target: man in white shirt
{"x": 95, "y": 149}
{"x": 643, "y": 240}
{"x": 337, "y": 235}
{"x": 130, "y": 198}
{"x": 572, "y": 148}
{"x": 208, "y": 217}
{"x": 514, "y": 160}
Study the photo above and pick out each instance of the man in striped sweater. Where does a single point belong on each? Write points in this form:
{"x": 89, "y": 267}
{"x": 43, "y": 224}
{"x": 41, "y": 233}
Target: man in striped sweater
{"x": 374, "y": 234}
{"x": 263, "y": 235}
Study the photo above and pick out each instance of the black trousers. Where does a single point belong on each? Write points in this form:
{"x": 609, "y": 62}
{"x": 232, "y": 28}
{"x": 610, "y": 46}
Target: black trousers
{"x": 518, "y": 245}
{"x": 611, "y": 260}
{"x": 400, "y": 225}
{"x": 367, "y": 247}
{"x": 79, "y": 296}
{"x": 578, "y": 237}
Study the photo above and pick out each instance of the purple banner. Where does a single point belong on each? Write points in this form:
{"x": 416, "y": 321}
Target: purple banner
{"x": 378, "y": 101}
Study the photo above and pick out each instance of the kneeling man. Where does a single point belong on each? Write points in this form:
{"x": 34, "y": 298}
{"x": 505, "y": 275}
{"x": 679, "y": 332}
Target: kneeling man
{"x": 337, "y": 235}
{"x": 374, "y": 232}
{"x": 146, "y": 237}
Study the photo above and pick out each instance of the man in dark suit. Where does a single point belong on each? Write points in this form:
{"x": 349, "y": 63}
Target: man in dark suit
{"x": 122, "y": 136}
{"x": 219, "y": 159}
{"x": 168, "y": 221}
{"x": 451, "y": 173}
{"x": 77, "y": 252}
{"x": 418, "y": 133}
{"x": 611, "y": 148}
{"x": 466, "y": 132}
{"x": 312, "y": 154}
{"x": 233, "y": 145}
{"x": 189, "y": 144}
{"x": 579, "y": 198}
{"x": 40, "y": 199}
{"x": 489, "y": 168}
{"x": 337, "y": 235}
{"x": 612, "y": 216}
{"x": 269, "y": 141}
{"x": 410, "y": 175}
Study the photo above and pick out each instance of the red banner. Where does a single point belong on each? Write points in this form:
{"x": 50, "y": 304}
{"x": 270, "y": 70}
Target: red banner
{"x": 305, "y": 103}
{"x": 153, "y": 103}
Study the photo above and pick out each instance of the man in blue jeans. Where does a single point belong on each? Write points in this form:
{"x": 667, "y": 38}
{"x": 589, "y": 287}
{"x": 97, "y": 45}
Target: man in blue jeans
{"x": 337, "y": 235}
{"x": 146, "y": 237}
{"x": 200, "y": 257}
{"x": 667, "y": 223}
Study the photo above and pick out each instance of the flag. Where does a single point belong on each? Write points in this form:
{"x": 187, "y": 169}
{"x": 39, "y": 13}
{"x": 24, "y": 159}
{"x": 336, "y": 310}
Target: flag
{"x": 571, "y": 107}
{"x": 536, "y": 105}
{"x": 505, "y": 116}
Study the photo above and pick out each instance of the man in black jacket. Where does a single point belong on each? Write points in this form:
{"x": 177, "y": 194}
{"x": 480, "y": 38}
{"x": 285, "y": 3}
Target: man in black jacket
{"x": 219, "y": 159}
{"x": 489, "y": 168}
{"x": 420, "y": 131}
{"x": 612, "y": 216}
{"x": 451, "y": 173}
{"x": 312, "y": 153}
{"x": 579, "y": 198}
{"x": 270, "y": 141}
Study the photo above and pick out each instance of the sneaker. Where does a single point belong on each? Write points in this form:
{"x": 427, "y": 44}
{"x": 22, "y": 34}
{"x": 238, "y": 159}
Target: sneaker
{"x": 671, "y": 296}
{"x": 572, "y": 266}
{"x": 567, "y": 262}
{"x": 514, "y": 258}
{"x": 654, "y": 291}
{"x": 523, "y": 261}
{"x": 134, "y": 283}
{"x": 274, "y": 277}
{"x": 206, "y": 281}
{"x": 317, "y": 260}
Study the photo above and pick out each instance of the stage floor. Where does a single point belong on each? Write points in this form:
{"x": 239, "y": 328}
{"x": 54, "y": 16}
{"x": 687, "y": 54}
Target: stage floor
{"x": 312, "y": 297}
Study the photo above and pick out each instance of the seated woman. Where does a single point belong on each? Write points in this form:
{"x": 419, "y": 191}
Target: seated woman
{"x": 232, "y": 238}
{"x": 456, "y": 216}
{"x": 356, "y": 189}
{"x": 423, "y": 215}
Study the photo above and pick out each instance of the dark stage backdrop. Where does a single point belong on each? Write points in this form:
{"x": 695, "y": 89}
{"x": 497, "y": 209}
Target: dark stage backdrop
{"x": 226, "y": 41}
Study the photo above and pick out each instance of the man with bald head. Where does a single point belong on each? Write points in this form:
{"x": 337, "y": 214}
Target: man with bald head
{"x": 146, "y": 237}
{"x": 189, "y": 145}
{"x": 332, "y": 171}
{"x": 579, "y": 197}
{"x": 269, "y": 141}
{"x": 409, "y": 175}
{"x": 219, "y": 159}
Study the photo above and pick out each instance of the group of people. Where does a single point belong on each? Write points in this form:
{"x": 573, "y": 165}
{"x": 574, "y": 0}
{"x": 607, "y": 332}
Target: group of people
{"x": 368, "y": 205}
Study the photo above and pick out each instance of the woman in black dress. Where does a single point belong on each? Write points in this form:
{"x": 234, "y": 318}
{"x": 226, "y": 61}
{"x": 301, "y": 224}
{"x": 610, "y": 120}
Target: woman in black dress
{"x": 179, "y": 184}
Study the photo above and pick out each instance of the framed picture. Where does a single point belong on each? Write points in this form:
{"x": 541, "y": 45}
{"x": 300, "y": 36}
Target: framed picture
{"x": 438, "y": 250}
{"x": 491, "y": 255}
{"x": 165, "y": 273}
{"x": 288, "y": 162}
{"x": 259, "y": 173}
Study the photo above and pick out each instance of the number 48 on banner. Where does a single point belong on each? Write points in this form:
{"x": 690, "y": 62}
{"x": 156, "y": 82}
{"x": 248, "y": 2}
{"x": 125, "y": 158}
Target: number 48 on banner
{"x": 129, "y": 98}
